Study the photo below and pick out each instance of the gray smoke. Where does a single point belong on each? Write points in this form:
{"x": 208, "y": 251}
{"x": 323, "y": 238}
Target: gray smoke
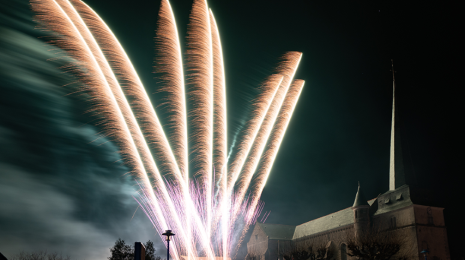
{"x": 63, "y": 188}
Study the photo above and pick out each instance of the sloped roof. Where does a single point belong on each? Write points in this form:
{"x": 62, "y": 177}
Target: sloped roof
{"x": 276, "y": 231}
{"x": 334, "y": 220}
{"x": 337, "y": 219}
{"x": 370, "y": 202}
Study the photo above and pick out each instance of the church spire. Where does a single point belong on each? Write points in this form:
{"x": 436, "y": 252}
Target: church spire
{"x": 361, "y": 210}
{"x": 396, "y": 169}
{"x": 360, "y": 199}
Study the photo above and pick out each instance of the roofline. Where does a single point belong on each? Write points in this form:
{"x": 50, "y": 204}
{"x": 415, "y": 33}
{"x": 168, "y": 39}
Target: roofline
{"x": 348, "y": 226}
{"x": 332, "y": 213}
{"x": 275, "y": 224}
{"x": 324, "y": 216}
{"x": 427, "y": 206}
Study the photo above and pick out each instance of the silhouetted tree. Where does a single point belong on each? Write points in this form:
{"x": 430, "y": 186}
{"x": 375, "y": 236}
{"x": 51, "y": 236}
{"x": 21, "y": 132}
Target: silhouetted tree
{"x": 378, "y": 245}
{"x": 150, "y": 252}
{"x": 121, "y": 251}
{"x": 306, "y": 251}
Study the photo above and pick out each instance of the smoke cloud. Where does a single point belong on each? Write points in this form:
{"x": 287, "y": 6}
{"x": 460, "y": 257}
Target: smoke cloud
{"x": 63, "y": 186}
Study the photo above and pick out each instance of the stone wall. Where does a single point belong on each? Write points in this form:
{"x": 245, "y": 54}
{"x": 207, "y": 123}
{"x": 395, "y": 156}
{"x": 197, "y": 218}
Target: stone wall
{"x": 431, "y": 232}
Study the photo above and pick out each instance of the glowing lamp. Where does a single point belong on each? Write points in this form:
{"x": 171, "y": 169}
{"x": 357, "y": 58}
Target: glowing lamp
{"x": 425, "y": 252}
{"x": 168, "y": 234}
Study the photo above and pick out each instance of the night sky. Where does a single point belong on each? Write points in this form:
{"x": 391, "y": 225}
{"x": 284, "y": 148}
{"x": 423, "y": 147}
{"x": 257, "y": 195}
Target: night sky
{"x": 62, "y": 191}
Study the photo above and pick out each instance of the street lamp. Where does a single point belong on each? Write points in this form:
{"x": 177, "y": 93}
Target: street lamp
{"x": 168, "y": 234}
{"x": 425, "y": 252}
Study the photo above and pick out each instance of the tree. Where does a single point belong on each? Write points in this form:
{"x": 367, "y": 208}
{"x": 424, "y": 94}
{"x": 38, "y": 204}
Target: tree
{"x": 150, "y": 252}
{"x": 121, "y": 251}
{"x": 305, "y": 250}
{"x": 379, "y": 245}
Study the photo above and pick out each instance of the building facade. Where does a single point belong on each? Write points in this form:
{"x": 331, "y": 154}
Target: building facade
{"x": 421, "y": 226}
{"x": 405, "y": 211}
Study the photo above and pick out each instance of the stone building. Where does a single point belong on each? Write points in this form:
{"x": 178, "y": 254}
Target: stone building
{"x": 405, "y": 210}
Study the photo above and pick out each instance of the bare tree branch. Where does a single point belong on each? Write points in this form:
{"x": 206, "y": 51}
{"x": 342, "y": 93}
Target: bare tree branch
{"x": 379, "y": 245}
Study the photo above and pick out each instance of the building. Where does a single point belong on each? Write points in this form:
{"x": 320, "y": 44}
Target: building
{"x": 405, "y": 211}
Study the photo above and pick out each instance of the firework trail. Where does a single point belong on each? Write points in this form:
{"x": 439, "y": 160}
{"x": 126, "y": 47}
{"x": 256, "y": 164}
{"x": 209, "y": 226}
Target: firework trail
{"x": 229, "y": 212}
{"x": 205, "y": 216}
{"x": 275, "y": 141}
{"x": 270, "y": 154}
{"x": 287, "y": 68}
{"x": 81, "y": 46}
{"x": 260, "y": 107}
{"x": 62, "y": 15}
{"x": 200, "y": 78}
{"x": 169, "y": 64}
{"x": 130, "y": 119}
{"x": 220, "y": 130}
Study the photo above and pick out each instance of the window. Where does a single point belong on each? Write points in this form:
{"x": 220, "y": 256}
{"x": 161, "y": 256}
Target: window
{"x": 429, "y": 213}
{"x": 256, "y": 237}
{"x": 343, "y": 251}
{"x": 393, "y": 223}
{"x": 424, "y": 245}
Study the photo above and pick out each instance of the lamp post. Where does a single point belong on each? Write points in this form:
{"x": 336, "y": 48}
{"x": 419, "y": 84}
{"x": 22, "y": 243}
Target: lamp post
{"x": 425, "y": 252}
{"x": 168, "y": 234}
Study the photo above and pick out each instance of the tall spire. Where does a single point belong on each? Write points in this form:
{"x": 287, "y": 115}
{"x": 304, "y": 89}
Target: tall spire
{"x": 396, "y": 169}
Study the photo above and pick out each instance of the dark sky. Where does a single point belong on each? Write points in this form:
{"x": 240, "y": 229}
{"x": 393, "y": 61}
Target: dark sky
{"x": 339, "y": 133}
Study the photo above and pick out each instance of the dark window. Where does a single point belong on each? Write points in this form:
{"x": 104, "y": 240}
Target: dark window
{"x": 424, "y": 245}
{"x": 256, "y": 237}
{"x": 343, "y": 251}
{"x": 430, "y": 216}
{"x": 393, "y": 223}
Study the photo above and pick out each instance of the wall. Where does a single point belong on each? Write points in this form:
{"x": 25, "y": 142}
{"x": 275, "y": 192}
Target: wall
{"x": 431, "y": 232}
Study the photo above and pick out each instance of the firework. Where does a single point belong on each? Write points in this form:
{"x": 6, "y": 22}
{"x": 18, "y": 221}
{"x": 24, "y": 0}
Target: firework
{"x": 207, "y": 203}
{"x": 287, "y": 68}
{"x": 275, "y": 142}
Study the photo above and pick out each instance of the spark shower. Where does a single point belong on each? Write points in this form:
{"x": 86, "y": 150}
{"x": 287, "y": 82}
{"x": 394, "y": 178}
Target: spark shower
{"x": 188, "y": 181}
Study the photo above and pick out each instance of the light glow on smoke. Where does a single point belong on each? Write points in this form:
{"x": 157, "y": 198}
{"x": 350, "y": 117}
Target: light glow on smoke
{"x": 208, "y": 204}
